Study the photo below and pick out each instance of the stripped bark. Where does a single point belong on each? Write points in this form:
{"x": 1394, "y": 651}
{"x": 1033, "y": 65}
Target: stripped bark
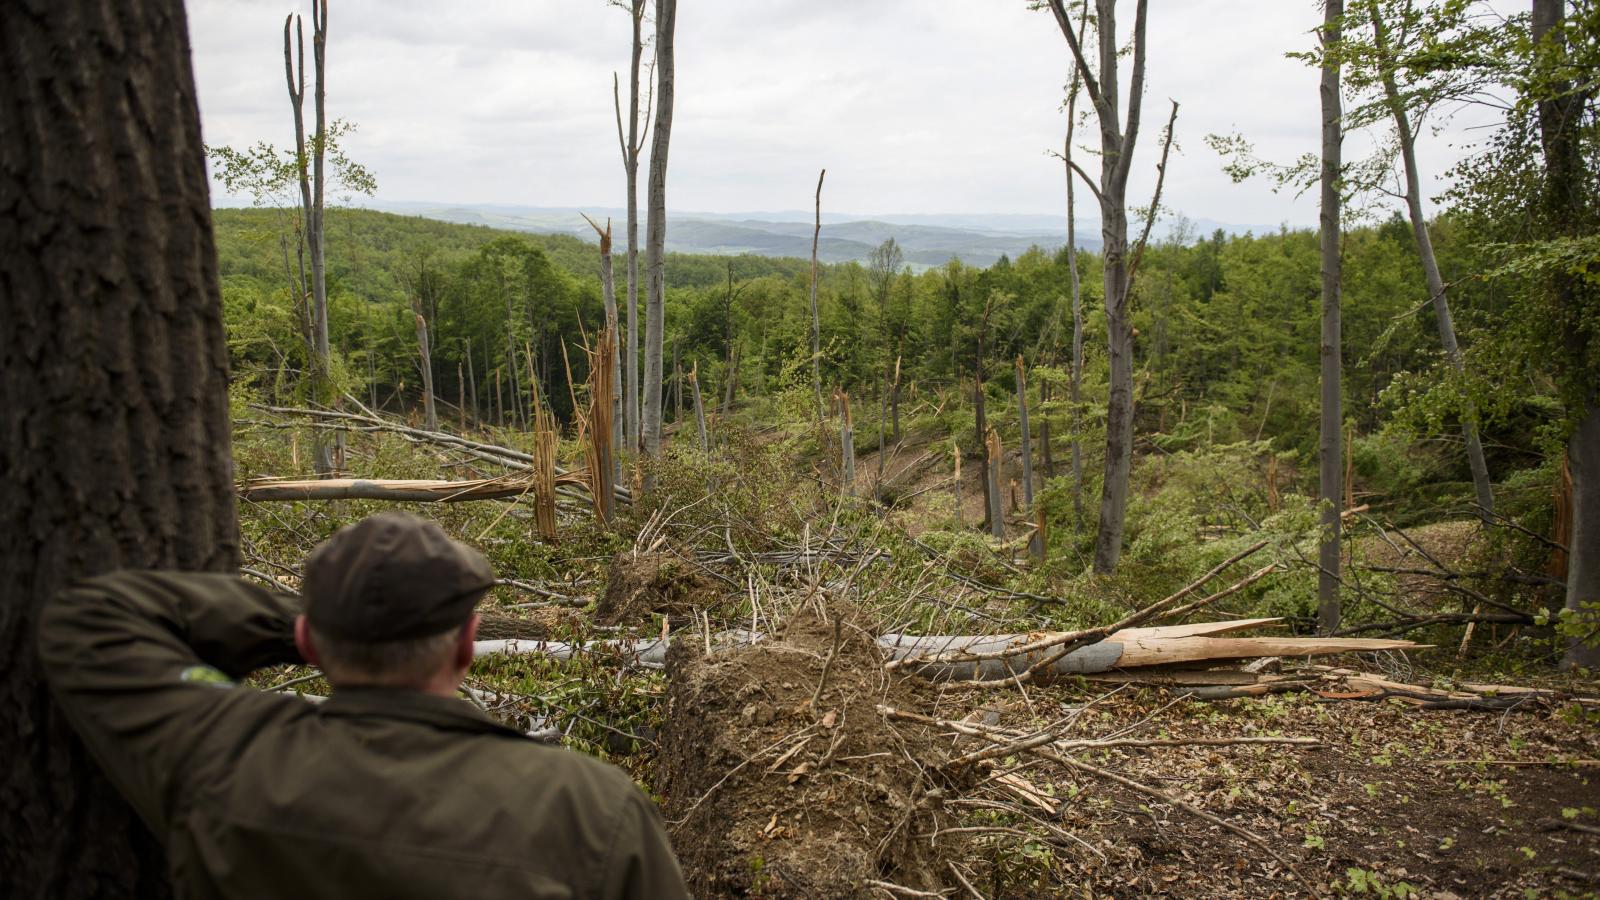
{"x": 430, "y": 412}
{"x": 1328, "y": 556}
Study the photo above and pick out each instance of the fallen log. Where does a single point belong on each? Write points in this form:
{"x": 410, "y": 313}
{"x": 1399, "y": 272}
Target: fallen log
{"x": 415, "y": 490}
{"x": 1103, "y": 657}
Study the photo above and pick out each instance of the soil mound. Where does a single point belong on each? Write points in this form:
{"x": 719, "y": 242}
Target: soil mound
{"x": 771, "y": 795}
{"x": 641, "y": 584}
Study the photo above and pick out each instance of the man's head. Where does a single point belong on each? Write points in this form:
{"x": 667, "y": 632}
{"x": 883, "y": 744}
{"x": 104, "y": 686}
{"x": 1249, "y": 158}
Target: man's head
{"x": 389, "y": 602}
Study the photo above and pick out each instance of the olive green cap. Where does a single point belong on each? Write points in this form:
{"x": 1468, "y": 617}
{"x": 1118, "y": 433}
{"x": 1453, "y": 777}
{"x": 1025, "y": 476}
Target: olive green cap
{"x": 391, "y": 577}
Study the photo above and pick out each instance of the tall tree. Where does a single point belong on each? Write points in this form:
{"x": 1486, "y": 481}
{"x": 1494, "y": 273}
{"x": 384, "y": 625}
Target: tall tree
{"x": 113, "y": 376}
{"x": 631, "y": 145}
{"x": 1076, "y": 385}
{"x": 309, "y": 163}
{"x": 1332, "y": 421}
{"x": 1565, "y": 91}
{"x": 1117, "y": 139}
{"x": 656, "y": 226}
{"x": 1386, "y": 62}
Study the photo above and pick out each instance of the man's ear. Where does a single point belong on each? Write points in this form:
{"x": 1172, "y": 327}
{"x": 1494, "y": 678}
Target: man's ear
{"x": 302, "y": 640}
{"x": 469, "y": 634}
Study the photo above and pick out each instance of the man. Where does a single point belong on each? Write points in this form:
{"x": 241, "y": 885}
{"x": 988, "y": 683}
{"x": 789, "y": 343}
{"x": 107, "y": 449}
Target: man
{"x": 394, "y": 787}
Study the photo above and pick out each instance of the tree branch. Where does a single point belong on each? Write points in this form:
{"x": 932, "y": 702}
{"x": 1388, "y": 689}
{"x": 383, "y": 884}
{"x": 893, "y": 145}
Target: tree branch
{"x": 1155, "y": 201}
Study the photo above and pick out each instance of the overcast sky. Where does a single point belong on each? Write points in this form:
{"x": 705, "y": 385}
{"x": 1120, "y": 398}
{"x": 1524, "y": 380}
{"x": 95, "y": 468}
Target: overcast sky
{"x": 914, "y": 106}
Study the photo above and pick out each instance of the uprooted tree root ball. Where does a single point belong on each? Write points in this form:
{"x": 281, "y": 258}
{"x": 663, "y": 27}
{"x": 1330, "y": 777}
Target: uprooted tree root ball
{"x": 643, "y": 583}
{"x": 777, "y": 788}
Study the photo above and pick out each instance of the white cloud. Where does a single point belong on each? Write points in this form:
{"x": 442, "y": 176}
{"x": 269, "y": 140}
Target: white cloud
{"x": 912, "y": 105}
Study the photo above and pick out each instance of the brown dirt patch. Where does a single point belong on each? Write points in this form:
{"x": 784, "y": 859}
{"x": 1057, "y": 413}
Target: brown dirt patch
{"x": 646, "y": 583}
{"x": 769, "y": 797}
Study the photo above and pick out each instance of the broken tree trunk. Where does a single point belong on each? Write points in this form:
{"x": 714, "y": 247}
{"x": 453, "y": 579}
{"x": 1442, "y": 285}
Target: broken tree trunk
{"x": 699, "y": 407}
{"x": 1035, "y": 545}
{"x": 847, "y": 445}
{"x": 429, "y": 413}
{"x": 997, "y": 519}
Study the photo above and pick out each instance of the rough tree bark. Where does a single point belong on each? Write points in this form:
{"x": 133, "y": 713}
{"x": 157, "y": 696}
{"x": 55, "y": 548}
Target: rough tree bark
{"x": 1566, "y": 208}
{"x": 1117, "y": 139}
{"x": 656, "y": 226}
{"x": 1332, "y": 421}
{"x": 631, "y": 146}
{"x": 113, "y": 378}
{"x": 1430, "y": 263}
{"x": 816, "y": 322}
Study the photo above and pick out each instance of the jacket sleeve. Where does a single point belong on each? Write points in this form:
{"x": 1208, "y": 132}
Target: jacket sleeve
{"x": 642, "y": 865}
{"x": 142, "y": 665}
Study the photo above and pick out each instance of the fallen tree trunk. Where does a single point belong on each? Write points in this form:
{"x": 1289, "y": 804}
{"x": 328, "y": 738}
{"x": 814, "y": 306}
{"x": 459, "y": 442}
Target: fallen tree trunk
{"x": 423, "y": 491}
{"x": 1124, "y": 650}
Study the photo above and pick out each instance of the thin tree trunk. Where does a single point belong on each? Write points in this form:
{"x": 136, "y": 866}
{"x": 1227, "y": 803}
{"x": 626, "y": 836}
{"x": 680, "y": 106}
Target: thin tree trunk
{"x": 631, "y": 145}
{"x": 955, "y": 451}
{"x": 656, "y": 226}
{"x": 1044, "y": 430}
{"x": 992, "y": 482}
{"x": 472, "y": 385}
{"x": 982, "y": 429}
{"x": 461, "y": 395}
{"x": 113, "y": 378}
{"x": 894, "y": 394}
{"x": 847, "y": 445}
{"x": 816, "y": 321}
{"x": 731, "y": 382}
{"x": 677, "y": 385}
{"x": 699, "y": 408}
{"x": 883, "y": 415}
{"x": 499, "y": 400}
{"x": 1027, "y": 451}
{"x": 1117, "y": 141}
{"x": 1329, "y": 470}
{"x": 429, "y": 413}
{"x": 1430, "y": 267}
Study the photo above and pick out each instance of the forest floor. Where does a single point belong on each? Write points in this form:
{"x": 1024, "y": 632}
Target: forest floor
{"x": 799, "y": 766}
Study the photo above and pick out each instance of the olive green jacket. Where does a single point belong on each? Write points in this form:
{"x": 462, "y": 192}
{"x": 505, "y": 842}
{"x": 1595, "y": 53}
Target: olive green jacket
{"x": 375, "y": 793}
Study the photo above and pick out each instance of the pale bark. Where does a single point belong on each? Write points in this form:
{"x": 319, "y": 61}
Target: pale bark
{"x": 1117, "y": 139}
{"x": 1430, "y": 266}
{"x": 699, "y": 408}
{"x": 429, "y": 411}
{"x": 847, "y": 445}
{"x": 816, "y": 321}
{"x": 329, "y": 445}
{"x": 631, "y": 145}
{"x": 656, "y": 226}
{"x": 1332, "y": 420}
{"x": 992, "y": 481}
{"x": 1076, "y": 392}
{"x": 1027, "y": 453}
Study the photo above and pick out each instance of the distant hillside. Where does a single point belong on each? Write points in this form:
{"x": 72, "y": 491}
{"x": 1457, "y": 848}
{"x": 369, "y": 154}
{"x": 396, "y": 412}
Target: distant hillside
{"x": 925, "y": 243}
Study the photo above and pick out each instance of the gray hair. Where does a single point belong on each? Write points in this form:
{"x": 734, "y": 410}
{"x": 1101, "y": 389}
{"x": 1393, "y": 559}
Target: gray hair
{"x": 403, "y": 663}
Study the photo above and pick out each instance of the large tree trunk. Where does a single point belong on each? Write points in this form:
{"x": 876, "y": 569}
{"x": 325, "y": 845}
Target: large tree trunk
{"x": 1332, "y": 421}
{"x": 1565, "y": 201}
{"x": 1117, "y": 141}
{"x": 113, "y": 378}
{"x": 656, "y": 226}
{"x": 1430, "y": 265}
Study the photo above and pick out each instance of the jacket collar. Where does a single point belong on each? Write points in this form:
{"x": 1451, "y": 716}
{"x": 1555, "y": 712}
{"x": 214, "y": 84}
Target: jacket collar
{"x": 449, "y": 713}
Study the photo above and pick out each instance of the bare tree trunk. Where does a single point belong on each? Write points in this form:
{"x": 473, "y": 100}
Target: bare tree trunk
{"x": 699, "y": 408}
{"x": 992, "y": 480}
{"x": 731, "y": 384}
{"x": 883, "y": 415}
{"x": 329, "y": 444}
{"x": 113, "y": 379}
{"x": 656, "y": 226}
{"x": 955, "y": 451}
{"x": 847, "y": 446}
{"x": 1027, "y": 452}
{"x": 499, "y": 400}
{"x": 461, "y": 396}
{"x": 1117, "y": 141}
{"x": 472, "y": 385}
{"x": 816, "y": 321}
{"x": 631, "y": 146}
{"x": 428, "y": 411}
{"x": 990, "y": 500}
{"x": 1330, "y": 473}
{"x": 894, "y": 394}
{"x": 1430, "y": 266}
{"x": 677, "y": 384}
{"x": 608, "y": 293}
{"x": 1565, "y": 202}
